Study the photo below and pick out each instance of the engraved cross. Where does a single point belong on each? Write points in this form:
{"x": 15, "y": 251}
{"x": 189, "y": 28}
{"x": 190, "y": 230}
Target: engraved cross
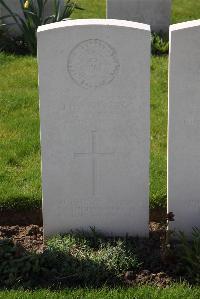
{"x": 94, "y": 155}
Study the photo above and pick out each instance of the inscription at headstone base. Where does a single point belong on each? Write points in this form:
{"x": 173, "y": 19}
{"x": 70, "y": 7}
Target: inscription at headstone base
{"x": 94, "y": 106}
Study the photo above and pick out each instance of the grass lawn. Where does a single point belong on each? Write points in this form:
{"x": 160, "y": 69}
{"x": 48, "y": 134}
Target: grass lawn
{"x": 175, "y": 292}
{"x": 92, "y": 9}
{"x": 185, "y": 10}
{"x": 20, "y": 178}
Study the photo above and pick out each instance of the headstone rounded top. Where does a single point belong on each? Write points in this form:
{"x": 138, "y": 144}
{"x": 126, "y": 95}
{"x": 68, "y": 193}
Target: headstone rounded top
{"x": 93, "y": 63}
{"x": 93, "y": 22}
{"x": 185, "y": 25}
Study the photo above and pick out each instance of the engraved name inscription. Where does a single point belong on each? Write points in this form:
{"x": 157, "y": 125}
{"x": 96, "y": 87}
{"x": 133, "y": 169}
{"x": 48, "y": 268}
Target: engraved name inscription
{"x": 91, "y": 207}
{"x": 193, "y": 204}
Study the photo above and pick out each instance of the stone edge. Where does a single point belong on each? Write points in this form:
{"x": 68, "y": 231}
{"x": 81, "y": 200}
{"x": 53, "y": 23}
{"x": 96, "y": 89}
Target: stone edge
{"x": 184, "y": 25}
{"x": 85, "y": 22}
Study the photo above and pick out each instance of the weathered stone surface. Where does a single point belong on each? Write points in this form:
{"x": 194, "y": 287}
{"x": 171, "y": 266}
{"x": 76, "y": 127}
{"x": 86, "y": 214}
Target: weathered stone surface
{"x": 94, "y": 80}
{"x": 184, "y": 126}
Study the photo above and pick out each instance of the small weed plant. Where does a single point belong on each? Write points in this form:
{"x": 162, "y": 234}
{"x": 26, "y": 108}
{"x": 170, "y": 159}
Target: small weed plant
{"x": 103, "y": 259}
{"x": 190, "y": 254}
{"x": 159, "y": 45}
{"x": 76, "y": 258}
{"x": 12, "y": 44}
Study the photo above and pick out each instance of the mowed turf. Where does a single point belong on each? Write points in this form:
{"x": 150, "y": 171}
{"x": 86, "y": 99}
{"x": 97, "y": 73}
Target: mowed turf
{"x": 175, "y": 292}
{"x": 92, "y": 9}
{"x": 185, "y": 10}
{"x": 20, "y": 179}
{"x": 20, "y": 176}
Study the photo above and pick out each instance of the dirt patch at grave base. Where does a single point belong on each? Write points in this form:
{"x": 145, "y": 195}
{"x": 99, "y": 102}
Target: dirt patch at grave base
{"x": 29, "y": 237}
{"x": 25, "y": 229}
{"x": 34, "y": 216}
{"x": 21, "y": 217}
{"x": 154, "y": 270}
{"x": 158, "y": 215}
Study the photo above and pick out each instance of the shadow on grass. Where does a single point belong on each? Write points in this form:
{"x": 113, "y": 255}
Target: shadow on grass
{"x": 82, "y": 259}
{"x": 52, "y": 269}
{"x": 21, "y": 202}
{"x": 20, "y": 216}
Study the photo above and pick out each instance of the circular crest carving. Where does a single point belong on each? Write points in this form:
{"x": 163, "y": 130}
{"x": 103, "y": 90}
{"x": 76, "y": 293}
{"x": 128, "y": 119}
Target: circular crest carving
{"x": 93, "y": 63}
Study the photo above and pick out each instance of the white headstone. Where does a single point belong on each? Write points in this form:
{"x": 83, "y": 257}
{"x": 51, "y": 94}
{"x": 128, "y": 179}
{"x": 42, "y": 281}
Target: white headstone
{"x": 157, "y": 13}
{"x": 94, "y": 104}
{"x": 184, "y": 126}
{"x": 15, "y": 7}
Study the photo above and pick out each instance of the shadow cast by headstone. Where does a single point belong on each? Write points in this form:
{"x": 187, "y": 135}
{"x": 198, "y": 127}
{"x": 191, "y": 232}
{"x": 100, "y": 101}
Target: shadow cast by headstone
{"x": 19, "y": 213}
{"x": 52, "y": 269}
{"x": 75, "y": 260}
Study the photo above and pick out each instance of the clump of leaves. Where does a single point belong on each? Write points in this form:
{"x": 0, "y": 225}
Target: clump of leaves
{"x": 34, "y": 16}
{"x": 12, "y": 44}
{"x": 190, "y": 254}
{"x": 18, "y": 267}
{"x": 101, "y": 259}
{"x": 118, "y": 258}
{"x": 159, "y": 45}
{"x": 71, "y": 259}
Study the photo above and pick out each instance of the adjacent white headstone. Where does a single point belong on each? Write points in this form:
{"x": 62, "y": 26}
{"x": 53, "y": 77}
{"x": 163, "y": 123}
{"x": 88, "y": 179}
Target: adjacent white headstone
{"x": 184, "y": 126}
{"x": 157, "y": 13}
{"x": 94, "y": 104}
{"x": 15, "y": 6}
